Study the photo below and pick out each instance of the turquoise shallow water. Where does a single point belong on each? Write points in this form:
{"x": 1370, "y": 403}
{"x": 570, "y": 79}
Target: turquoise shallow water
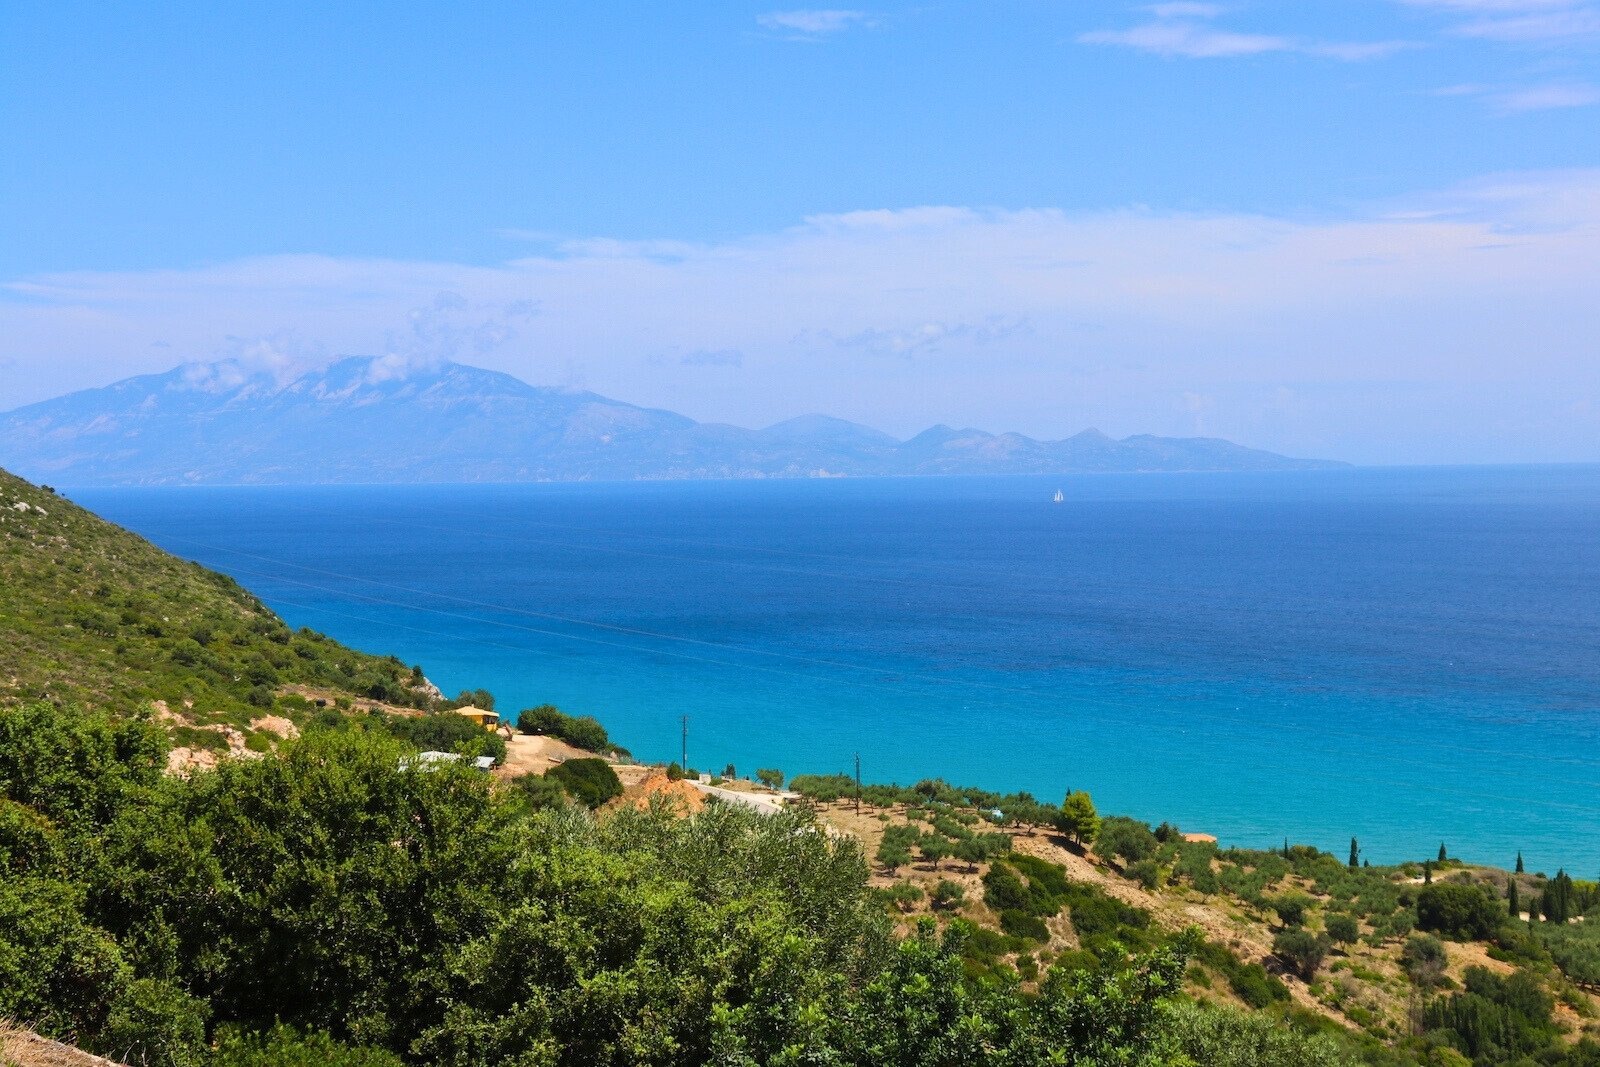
{"x": 1407, "y": 656}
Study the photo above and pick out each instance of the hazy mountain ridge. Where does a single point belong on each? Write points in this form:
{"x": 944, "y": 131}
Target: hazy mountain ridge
{"x": 371, "y": 420}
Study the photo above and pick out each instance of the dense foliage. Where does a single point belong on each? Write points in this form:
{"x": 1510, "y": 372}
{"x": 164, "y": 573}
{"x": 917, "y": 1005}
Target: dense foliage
{"x": 445, "y": 731}
{"x": 591, "y": 782}
{"x": 373, "y": 906}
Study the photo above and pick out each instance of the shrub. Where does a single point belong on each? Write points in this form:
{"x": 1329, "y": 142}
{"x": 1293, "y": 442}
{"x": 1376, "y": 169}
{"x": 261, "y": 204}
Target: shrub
{"x": 1146, "y": 872}
{"x": 583, "y": 732}
{"x": 1019, "y": 923}
{"x": 1290, "y": 908}
{"x": 1342, "y": 928}
{"x": 539, "y": 792}
{"x": 283, "y": 1046}
{"x": 948, "y": 895}
{"x": 1250, "y": 982}
{"x": 155, "y": 1023}
{"x": 903, "y": 895}
{"x": 1126, "y": 839}
{"x": 770, "y": 777}
{"x": 1424, "y": 959}
{"x": 446, "y": 731}
{"x": 1225, "y": 1037}
{"x": 591, "y": 781}
{"x": 1453, "y": 909}
{"x": 1003, "y": 890}
{"x": 1302, "y": 950}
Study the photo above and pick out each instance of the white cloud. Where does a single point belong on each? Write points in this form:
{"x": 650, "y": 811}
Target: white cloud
{"x": 1520, "y": 99}
{"x": 1187, "y": 39}
{"x": 1551, "y": 27}
{"x": 1179, "y": 30}
{"x": 1493, "y": 5}
{"x": 1183, "y": 9}
{"x": 1547, "y": 97}
{"x": 814, "y": 23}
{"x": 1521, "y": 21}
{"x": 1401, "y": 331}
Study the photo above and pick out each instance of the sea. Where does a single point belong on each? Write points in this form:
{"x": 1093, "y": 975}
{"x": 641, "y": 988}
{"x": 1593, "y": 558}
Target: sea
{"x": 1409, "y": 657}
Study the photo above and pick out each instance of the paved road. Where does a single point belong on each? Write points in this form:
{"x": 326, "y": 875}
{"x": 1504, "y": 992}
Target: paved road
{"x": 766, "y": 803}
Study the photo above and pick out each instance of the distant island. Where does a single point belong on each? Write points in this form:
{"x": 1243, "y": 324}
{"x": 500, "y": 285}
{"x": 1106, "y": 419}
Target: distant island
{"x": 360, "y": 421}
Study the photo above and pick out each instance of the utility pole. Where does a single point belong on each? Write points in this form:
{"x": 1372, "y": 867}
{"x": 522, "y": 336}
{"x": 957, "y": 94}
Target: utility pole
{"x": 858, "y": 783}
{"x": 685, "y": 763}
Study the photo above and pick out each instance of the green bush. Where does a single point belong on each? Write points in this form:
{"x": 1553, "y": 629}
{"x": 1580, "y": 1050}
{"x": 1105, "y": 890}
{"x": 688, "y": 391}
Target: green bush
{"x": 1290, "y": 908}
{"x": 591, "y": 781}
{"x": 1342, "y": 928}
{"x": 283, "y": 1046}
{"x": 1019, "y": 923}
{"x": 446, "y": 731}
{"x": 1126, "y": 839}
{"x": 538, "y": 792}
{"x": 1458, "y": 910}
{"x": 1301, "y": 950}
{"x": 582, "y": 732}
{"x": 948, "y": 895}
{"x": 1223, "y": 1037}
{"x": 153, "y": 1023}
{"x": 1250, "y": 982}
{"x": 1424, "y": 959}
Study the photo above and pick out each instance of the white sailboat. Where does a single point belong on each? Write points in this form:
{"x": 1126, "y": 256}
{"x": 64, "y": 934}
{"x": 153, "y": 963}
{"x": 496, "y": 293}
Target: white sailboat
{"x": 1059, "y": 497}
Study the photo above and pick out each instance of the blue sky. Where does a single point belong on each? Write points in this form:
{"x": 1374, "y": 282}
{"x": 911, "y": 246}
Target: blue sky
{"x": 1362, "y": 228}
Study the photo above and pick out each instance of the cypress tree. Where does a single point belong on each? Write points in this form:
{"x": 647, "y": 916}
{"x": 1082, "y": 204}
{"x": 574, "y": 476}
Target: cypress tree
{"x": 1355, "y": 854}
{"x": 1511, "y": 900}
{"x": 1442, "y": 856}
{"x": 1286, "y": 848}
{"x": 1427, "y": 873}
{"x": 1519, "y": 862}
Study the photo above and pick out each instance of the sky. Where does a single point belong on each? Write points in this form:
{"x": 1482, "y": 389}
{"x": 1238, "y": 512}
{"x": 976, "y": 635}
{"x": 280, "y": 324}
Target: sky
{"x": 1357, "y": 229}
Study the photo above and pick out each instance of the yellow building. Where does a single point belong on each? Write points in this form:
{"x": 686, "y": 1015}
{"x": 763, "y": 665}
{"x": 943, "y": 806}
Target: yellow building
{"x": 486, "y": 719}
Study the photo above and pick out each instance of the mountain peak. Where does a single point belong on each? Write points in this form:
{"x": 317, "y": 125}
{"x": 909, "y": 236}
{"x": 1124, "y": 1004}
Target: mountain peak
{"x": 392, "y": 418}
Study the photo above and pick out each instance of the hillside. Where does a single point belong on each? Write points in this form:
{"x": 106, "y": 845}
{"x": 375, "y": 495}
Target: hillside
{"x": 92, "y": 614}
{"x": 1440, "y": 963}
{"x": 368, "y": 420}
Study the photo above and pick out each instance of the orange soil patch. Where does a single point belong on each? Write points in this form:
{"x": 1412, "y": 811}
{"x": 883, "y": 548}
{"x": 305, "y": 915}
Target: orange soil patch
{"x": 656, "y": 784}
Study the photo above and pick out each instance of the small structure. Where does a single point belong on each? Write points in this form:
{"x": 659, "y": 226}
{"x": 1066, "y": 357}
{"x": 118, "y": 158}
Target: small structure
{"x": 486, "y": 719}
{"x": 426, "y": 761}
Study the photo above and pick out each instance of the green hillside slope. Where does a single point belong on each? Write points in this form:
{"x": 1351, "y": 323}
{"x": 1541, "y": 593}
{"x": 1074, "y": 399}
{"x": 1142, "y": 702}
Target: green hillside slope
{"x": 92, "y": 614}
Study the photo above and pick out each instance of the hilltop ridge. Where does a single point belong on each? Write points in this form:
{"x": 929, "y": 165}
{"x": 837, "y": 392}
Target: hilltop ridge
{"x": 383, "y": 420}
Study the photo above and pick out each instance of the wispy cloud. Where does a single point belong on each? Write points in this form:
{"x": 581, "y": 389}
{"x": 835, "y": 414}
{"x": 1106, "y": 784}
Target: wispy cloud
{"x": 1185, "y": 9}
{"x": 1521, "y": 21}
{"x": 1188, "y": 39}
{"x": 1512, "y": 100}
{"x": 1547, "y": 97}
{"x": 1184, "y": 29}
{"x": 814, "y": 23}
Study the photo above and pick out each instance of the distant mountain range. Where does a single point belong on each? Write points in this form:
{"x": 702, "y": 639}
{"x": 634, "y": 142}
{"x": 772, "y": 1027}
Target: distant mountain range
{"x": 364, "y": 420}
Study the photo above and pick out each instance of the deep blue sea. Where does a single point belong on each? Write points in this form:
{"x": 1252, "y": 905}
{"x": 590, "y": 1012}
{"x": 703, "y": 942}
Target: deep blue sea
{"x": 1406, "y": 656}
